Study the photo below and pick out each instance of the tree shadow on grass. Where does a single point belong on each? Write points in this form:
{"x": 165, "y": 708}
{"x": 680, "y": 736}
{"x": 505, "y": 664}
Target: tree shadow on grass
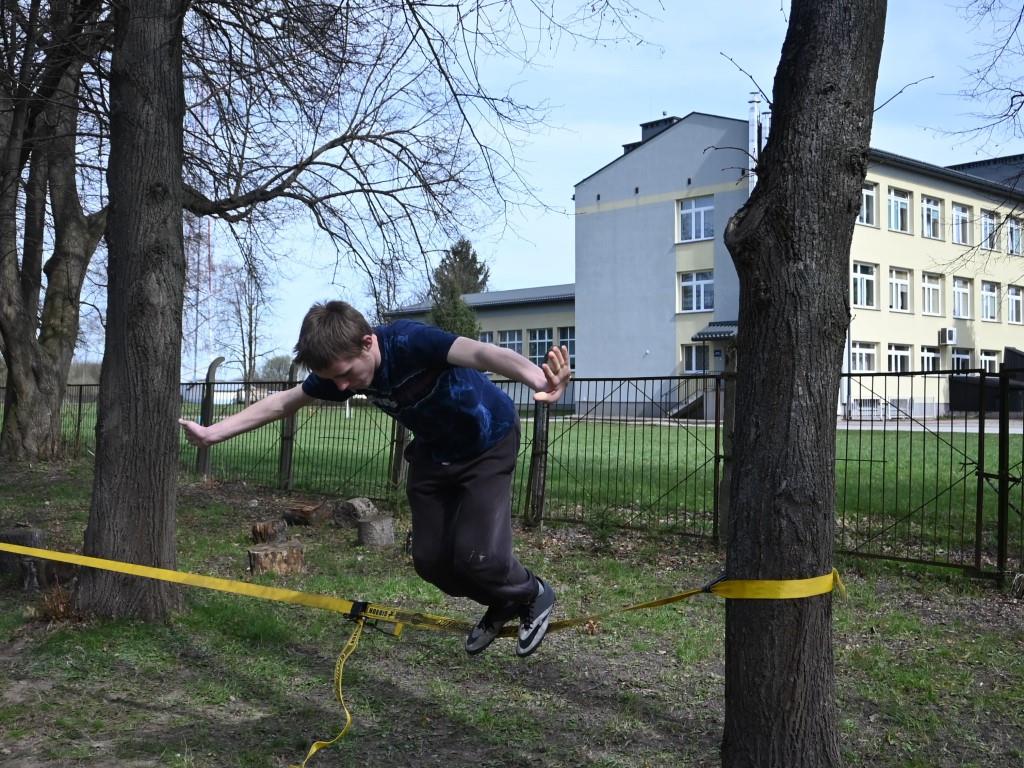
{"x": 421, "y": 702}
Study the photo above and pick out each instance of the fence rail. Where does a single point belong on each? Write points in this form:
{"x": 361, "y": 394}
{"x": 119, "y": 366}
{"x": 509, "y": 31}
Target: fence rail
{"x": 928, "y": 465}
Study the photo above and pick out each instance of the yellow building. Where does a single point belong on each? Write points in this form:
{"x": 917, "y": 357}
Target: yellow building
{"x": 936, "y": 269}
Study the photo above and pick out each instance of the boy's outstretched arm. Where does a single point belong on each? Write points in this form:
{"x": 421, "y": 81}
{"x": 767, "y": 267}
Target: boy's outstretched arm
{"x": 270, "y": 408}
{"x": 548, "y": 381}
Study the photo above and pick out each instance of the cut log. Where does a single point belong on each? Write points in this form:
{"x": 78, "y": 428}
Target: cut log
{"x": 350, "y": 513}
{"x": 283, "y": 557}
{"x": 269, "y": 531}
{"x": 309, "y": 514}
{"x": 378, "y": 532}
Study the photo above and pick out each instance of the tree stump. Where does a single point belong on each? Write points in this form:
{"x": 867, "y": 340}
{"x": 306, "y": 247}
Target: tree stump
{"x": 283, "y": 557}
{"x": 378, "y": 532}
{"x": 309, "y": 514}
{"x": 348, "y": 514}
{"x": 269, "y": 531}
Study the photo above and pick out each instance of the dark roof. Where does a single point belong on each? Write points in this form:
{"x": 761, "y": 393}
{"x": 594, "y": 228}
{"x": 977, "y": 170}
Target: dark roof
{"x": 1008, "y": 170}
{"x": 942, "y": 172}
{"x": 717, "y": 329}
{"x": 980, "y": 180}
{"x": 535, "y": 295}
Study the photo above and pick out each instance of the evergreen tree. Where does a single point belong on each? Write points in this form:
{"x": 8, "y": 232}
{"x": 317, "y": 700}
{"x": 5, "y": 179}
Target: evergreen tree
{"x": 460, "y": 272}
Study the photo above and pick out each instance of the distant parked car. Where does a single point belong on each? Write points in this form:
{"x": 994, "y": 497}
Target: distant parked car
{"x": 192, "y": 392}
{"x": 256, "y": 392}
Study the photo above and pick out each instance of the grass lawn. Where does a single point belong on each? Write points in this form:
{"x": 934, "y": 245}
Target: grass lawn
{"x": 929, "y": 665}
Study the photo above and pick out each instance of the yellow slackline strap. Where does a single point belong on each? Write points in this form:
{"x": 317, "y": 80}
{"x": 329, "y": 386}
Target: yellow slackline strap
{"x": 736, "y": 589}
{"x": 733, "y": 589}
{"x": 339, "y": 670}
{"x": 372, "y": 611}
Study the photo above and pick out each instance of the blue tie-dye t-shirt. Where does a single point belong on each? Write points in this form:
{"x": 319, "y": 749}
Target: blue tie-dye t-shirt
{"x": 456, "y": 413}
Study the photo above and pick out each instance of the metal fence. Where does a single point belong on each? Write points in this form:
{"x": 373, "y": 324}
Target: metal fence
{"x": 928, "y": 468}
{"x": 928, "y": 465}
{"x": 614, "y": 449}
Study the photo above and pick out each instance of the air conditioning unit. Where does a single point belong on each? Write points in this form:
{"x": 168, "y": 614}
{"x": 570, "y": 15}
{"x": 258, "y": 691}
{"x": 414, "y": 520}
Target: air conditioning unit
{"x": 947, "y": 337}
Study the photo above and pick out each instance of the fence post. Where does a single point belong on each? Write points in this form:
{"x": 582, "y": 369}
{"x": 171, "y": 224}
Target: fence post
{"x": 538, "y": 465}
{"x": 78, "y": 422}
{"x": 399, "y": 467}
{"x": 206, "y": 416}
{"x": 1003, "y": 524}
{"x": 723, "y": 499}
{"x": 285, "y": 473}
{"x": 979, "y": 512}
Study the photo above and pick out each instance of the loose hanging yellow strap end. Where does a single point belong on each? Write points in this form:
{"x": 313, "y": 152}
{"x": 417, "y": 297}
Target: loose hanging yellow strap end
{"x": 339, "y": 669}
{"x": 839, "y": 584}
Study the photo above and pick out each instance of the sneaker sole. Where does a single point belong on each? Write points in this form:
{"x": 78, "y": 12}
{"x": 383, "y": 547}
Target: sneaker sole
{"x": 482, "y": 648}
{"x": 536, "y": 636}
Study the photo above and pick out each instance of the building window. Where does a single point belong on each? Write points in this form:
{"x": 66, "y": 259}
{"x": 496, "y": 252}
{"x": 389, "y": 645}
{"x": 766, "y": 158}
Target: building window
{"x": 868, "y": 205}
{"x": 931, "y": 217}
{"x": 487, "y": 337}
{"x": 989, "y": 300}
{"x": 931, "y": 294}
{"x": 961, "y": 297}
{"x": 511, "y": 340}
{"x": 695, "y": 358}
{"x": 863, "y": 284}
{"x": 899, "y": 290}
{"x": 989, "y": 360}
{"x": 989, "y": 231}
{"x": 899, "y": 358}
{"x": 899, "y": 210}
{"x": 862, "y": 357}
{"x": 697, "y": 218}
{"x": 541, "y": 340}
{"x": 567, "y": 338}
{"x": 1013, "y": 305}
{"x": 961, "y": 359}
{"x": 696, "y": 291}
{"x": 961, "y": 224}
{"x": 1013, "y": 236}
{"x": 929, "y": 358}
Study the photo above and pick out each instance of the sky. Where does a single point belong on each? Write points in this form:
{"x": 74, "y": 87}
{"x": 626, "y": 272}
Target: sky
{"x": 692, "y": 63}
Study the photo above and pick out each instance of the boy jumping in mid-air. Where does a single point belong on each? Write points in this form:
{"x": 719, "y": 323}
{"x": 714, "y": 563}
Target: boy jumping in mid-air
{"x": 460, "y": 462}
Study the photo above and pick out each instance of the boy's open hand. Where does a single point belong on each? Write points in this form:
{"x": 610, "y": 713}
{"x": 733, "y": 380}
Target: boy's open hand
{"x": 195, "y": 433}
{"x": 557, "y": 373}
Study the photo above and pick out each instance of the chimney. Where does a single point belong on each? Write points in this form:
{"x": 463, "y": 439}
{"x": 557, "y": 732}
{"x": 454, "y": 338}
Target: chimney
{"x": 649, "y": 130}
{"x": 753, "y": 140}
{"x": 758, "y": 125}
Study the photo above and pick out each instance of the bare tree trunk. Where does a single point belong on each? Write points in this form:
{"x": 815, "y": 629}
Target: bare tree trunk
{"x": 39, "y": 341}
{"x": 134, "y": 493}
{"x": 791, "y": 245}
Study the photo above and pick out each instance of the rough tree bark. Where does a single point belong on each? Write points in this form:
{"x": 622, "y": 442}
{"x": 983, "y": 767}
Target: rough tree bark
{"x": 134, "y": 493}
{"x": 791, "y": 245}
{"x": 38, "y": 340}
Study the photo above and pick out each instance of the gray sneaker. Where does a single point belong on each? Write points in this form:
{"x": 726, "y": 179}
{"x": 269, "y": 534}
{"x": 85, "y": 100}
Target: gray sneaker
{"x": 534, "y": 617}
{"x": 496, "y": 617}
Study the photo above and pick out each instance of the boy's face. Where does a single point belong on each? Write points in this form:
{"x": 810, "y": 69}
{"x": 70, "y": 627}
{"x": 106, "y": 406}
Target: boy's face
{"x": 354, "y": 372}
